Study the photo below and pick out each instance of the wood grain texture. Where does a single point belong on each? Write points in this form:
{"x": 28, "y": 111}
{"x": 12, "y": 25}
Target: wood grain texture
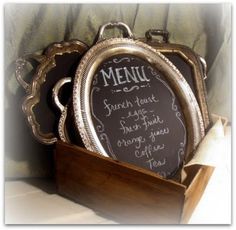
{"x": 123, "y": 192}
{"x": 118, "y": 190}
{"x": 195, "y": 190}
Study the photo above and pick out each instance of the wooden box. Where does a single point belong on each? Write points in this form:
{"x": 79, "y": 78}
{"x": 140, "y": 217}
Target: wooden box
{"x": 126, "y": 193}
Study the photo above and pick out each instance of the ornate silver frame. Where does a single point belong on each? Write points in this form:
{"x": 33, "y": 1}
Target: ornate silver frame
{"x": 114, "y": 46}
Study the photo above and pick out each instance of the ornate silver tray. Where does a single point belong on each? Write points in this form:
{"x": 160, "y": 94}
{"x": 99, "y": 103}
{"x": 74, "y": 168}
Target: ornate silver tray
{"x": 132, "y": 104}
{"x": 66, "y": 126}
{"x": 191, "y": 65}
{"x": 59, "y": 61}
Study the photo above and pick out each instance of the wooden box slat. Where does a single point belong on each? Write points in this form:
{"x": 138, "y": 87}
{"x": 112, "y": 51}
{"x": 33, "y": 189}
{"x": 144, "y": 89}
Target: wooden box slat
{"x": 195, "y": 189}
{"x": 123, "y": 192}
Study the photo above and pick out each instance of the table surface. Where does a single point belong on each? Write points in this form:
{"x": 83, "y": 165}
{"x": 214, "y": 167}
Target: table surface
{"x": 35, "y": 201}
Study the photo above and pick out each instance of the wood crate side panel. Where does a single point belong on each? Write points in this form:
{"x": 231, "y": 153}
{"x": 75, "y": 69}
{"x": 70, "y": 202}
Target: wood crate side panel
{"x": 195, "y": 191}
{"x": 124, "y": 194}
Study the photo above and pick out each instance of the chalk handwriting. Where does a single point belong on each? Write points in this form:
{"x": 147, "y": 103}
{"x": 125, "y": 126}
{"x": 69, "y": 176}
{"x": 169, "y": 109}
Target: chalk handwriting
{"x": 142, "y": 128}
{"x": 158, "y": 132}
{"x": 129, "y": 128}
{"x": 148, "y": 150}
{"x": 135, "y": 140}
{"x": 155, "y": 163}
{"x": 120, "y": 76}
{"x": 111, "y": 108}
{"x": 147, "y": 122}
{"x": 146, "y": 100}
{"x": 137, "y": 114}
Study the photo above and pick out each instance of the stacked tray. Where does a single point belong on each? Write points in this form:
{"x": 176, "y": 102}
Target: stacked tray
{"x": 141, "y": 101}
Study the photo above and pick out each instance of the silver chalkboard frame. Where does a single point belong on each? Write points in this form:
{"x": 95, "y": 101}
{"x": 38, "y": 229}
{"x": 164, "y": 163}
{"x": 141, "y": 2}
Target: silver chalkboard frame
{"x": 106, "y": 48}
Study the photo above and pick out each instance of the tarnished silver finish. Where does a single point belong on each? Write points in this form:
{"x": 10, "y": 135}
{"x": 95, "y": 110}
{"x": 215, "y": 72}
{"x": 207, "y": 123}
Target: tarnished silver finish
{"x": 119, "y": 25}
{"x": 20, "y": 66}
{"x": 63, "y": 109}
{"x": 115, "y": 46}
{"x": 55, "y": 92}
{"x": 197, "y": 63}
{"x": 204, "y": 65}
{"x": 155, "y": 32}
{"x": 39, "y": 78}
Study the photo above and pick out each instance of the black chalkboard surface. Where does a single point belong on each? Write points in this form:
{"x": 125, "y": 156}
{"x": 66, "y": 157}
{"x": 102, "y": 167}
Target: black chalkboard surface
{"x": 137, "y": 116}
